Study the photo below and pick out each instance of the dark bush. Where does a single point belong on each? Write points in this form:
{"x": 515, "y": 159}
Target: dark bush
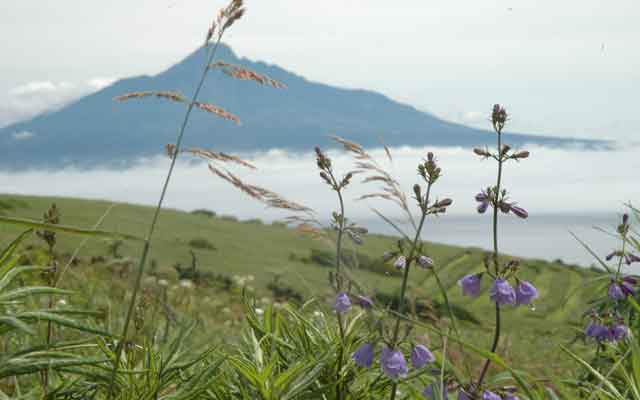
{"x": 283, "y": 292}
{"x": 358, "y": 260}
{"x": 426, "y": 309}
{"x": 201, "y": 244}
{"x": 204, "y": 212}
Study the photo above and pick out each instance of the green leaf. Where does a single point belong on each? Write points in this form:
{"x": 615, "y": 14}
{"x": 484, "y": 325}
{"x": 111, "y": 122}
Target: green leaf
{"x": 66, "y": 229}
{"x": 586, "y": 246}
{"x": 31, "y": 291}
{"x": 20, "y": 366}
{"x": 8, "y": 251}
{"x": 15, "y": 323}
{"x": 59, "y": 320}
{"x": 606, "y": 382}
{"x": 12, "y": 273}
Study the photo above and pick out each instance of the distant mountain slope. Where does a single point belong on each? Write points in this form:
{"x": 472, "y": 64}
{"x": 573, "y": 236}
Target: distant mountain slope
{"x": 97, "y": 130}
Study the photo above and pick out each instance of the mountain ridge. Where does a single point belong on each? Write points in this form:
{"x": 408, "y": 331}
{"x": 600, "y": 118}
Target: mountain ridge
{"x": 95, "y": 129}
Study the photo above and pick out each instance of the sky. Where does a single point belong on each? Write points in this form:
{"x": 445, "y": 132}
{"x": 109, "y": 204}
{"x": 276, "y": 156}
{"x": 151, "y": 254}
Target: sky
{"x": 562, "y": 68}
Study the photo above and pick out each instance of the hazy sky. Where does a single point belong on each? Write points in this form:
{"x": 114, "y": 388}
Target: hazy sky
{"x": 567, "y": 68}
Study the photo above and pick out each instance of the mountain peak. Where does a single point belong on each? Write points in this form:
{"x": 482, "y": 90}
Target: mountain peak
{"x": 97, "y": 130}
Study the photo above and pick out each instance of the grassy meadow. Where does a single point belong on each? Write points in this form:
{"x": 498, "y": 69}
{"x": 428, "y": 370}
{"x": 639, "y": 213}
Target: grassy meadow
{"x": 277, "y": 264}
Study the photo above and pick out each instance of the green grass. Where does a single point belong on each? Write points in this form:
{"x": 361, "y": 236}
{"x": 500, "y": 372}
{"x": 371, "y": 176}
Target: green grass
{"x": 531, "y": 338}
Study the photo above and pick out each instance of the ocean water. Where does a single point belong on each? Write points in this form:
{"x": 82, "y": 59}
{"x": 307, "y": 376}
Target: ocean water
{"x": 546, "y": 237}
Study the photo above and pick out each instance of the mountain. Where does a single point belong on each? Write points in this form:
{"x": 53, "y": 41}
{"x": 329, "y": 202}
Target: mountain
{"x": 98, "y": 130}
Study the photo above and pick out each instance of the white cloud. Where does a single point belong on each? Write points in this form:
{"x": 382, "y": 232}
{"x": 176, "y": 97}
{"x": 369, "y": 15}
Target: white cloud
{"x": 39, "y": 88}
{"x": 474, "y": 117}
{"x": 33, "y": 98}
{"x": 22, "y": 135}
{"x": 100, "y": 83}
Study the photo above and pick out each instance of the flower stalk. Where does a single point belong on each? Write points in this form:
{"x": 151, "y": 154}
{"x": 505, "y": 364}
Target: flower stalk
{"x": 224, "y": 20}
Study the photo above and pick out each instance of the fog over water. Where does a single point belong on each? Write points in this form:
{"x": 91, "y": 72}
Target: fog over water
{"x": 563, "y": 189}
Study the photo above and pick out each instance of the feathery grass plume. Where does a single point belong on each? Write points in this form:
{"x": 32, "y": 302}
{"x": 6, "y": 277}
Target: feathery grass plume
{"x": 165, "y": 94}
{"x": 210, "y": 108}
{"x": 211, "y": 155}
{"x": 242, "y": 73}
{"x": 265, "y": 196}
{"x": 177, "y": 97}
{"x": 366, "y": 164}
{"x": 225, "y": 19}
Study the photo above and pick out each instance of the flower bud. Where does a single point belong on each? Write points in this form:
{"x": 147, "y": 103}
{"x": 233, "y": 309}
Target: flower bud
{"x": 364, "y": 302}
{"x": 502, "y": 292}
{"x": 505, "y": 207}
{"x": 346, "y": 179}
{"x": 343, "y": 303}
{"x": 526, "y": 293}
{"x": 470, "y": 284}
{"x": 425, "y": 262}
{"x": 481, "y": 197}
{"x": 421, "y": 356}
{"x": 417, "y": 191}
{"x": 400, "y": 263}
{"x": 443, "y": 203}
{"x": 393, "y": 364}
{"x": 481, "y": 152}
{"x": 482, "y": 207}
{"x": 520, "y": 212}
{"x": 488, "y": 395}
{"x": 363, "y": 357}
{"x": 521, "y": 154}
{"x": 615, "y": 292}
{"x": 498, "y": 116}
{"x": 633, "y": 258}
{"x": 505, "y": 149}
{"x": 325, "y": 177}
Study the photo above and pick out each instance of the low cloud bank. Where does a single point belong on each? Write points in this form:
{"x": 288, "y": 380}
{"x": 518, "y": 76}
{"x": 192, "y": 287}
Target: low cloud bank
{"x": 585, "y": 184}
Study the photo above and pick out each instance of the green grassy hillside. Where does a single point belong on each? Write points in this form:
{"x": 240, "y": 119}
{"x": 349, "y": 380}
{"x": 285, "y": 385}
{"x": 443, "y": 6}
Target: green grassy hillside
{"x": 276, "y": 263}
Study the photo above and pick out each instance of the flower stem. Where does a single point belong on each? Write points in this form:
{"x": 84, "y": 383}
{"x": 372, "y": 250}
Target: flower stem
{"x": 496, "y": 264}
{"x": 147, "y": 242}
{"x": 337, "y": 188}
{"x": 405, "y": 278}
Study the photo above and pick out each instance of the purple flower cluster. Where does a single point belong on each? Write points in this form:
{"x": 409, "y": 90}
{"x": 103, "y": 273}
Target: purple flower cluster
{"x": 501, "y": 291}
{"x": 628, "y": 258}
{"x": 393, "y": 364}
{"x": 484, "y": 200}
{"x": 470, "y": 285}
{"x": 343, "y": 302}
{"x": 400, "y": 262}
{"x": 604, "y": 333}
{"x": 392, "y": 360}
{"x": 619, "y": 290}
{"x": 430, "y": 393}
